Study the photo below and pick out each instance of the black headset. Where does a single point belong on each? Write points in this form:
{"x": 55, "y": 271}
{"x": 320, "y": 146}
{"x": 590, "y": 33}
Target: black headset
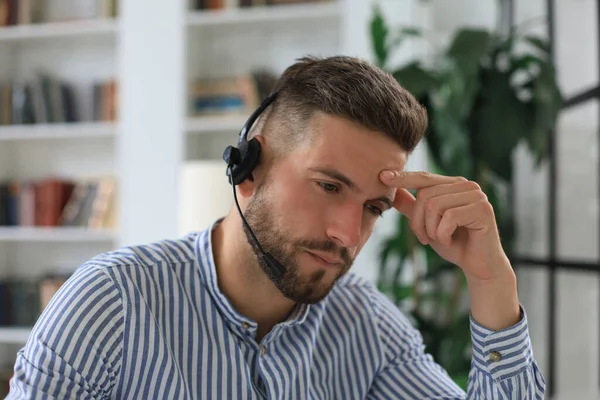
{"x": 241, "y": 161}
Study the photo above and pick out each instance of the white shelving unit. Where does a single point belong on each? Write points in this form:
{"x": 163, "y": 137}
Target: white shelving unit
{"x": 218, "y": 124}
{"x": 80, "y": 52}
{"x": 280, "y": 14}
{"x": 56, "y": 235}
{"x": 58, "y": 30}
{"x": 57, "y": 131}
{"x": 16, "y": 336}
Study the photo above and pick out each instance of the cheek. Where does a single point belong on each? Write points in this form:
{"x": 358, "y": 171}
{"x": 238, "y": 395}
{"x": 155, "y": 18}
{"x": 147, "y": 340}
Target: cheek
{"x": 305, "y": 206}
{"x": 367, "y": 228}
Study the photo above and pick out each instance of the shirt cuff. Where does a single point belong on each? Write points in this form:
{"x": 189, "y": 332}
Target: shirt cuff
{"x": 502, "y": 354}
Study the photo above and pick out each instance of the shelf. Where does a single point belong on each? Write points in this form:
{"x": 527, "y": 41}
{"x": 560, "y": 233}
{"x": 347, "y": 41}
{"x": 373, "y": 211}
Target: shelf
{"x": 14, "y": 335}
{"x": 57, "y": 131}
{"x": 59, "y": 30}
{"x": 278, "y": 13}
{"x": 217, "y": 124}
{"x": 51, "y": 234}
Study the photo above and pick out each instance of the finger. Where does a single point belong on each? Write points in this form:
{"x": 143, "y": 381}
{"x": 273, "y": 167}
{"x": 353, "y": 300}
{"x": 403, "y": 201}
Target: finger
{"x": 440, "y": 204}
{"x": 447, "y": 188}
{"x": 432, "y": 221}
{"x": 404, "y": 202}
{"x": 415, "y": 179}
{"x": 418, "y": 222}
{"x": 472, "y": 216}
{"x": 435, "y": 207}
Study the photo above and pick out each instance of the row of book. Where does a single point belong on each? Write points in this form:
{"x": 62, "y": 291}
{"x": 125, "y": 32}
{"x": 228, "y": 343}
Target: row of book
{"x": 25, "y": 12}
{"x": 54, "y": 202}
{"x": 23, "y": 300}
{"x": 47, "y": 99}
{"x": 220, "y": 4}
{"x": 21, "y": 304}
{"x": 231, "y": 95}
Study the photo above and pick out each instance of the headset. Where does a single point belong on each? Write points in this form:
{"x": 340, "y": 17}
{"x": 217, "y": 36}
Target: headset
{"x": 241, "y": 161}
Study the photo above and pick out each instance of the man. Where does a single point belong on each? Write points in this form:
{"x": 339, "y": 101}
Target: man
{"x": 210, "y": 316}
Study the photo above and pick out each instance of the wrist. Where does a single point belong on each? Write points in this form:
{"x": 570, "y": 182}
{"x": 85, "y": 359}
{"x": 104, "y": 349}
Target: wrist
{"x": 494, "y": 302}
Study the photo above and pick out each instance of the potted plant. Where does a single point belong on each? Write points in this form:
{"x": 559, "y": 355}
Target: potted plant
{"x": 485, "y": 93}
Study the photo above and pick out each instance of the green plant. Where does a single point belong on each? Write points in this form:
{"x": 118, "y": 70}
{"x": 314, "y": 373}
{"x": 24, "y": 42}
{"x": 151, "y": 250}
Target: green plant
{"x": 485, "y": 94}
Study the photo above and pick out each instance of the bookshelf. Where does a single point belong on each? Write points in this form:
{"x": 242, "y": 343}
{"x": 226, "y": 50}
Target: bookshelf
{"x": 215, "y": 124}
{"x": 14, "y": 335}
{"x": 56, "y": 235}
{"x": 280, "y": 14}
{"x": 57, "y": 131}
{"x": 59, "y": 30}
{"x": 73, "y": 139}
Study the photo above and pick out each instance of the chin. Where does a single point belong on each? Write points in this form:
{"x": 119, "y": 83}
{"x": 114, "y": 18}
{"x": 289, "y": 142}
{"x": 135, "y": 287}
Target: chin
{"x": 312, "y": 295}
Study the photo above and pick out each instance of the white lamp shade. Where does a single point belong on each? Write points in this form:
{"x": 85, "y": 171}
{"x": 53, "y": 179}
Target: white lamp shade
{"x": 205, "y": 195}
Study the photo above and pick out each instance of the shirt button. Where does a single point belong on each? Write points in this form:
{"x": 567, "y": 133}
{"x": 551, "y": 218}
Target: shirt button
{"x": 263, "y": 350}
{"x": 245, "y": 325}
{"x": 495, "y": 356}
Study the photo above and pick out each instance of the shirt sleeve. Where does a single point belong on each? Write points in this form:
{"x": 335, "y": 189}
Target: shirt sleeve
{"x": 408, "y": 372}
{"x": 74, "y": 349}
{"x": 503, "y": 365}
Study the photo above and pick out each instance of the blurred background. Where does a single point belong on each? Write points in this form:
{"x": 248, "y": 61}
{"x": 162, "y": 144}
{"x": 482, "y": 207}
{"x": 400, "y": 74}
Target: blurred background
{"x": 114, "y": 116}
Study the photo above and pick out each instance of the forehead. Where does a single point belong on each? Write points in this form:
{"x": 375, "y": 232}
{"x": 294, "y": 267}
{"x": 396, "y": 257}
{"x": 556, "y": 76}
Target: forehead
{"x": 344, "y": 144}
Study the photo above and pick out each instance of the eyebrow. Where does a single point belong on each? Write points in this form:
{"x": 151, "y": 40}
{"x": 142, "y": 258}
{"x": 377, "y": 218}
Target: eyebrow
{"x": 338, "y": 176}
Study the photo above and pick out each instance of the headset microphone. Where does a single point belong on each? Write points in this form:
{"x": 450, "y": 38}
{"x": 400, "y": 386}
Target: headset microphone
{"x": 241, "y": 161}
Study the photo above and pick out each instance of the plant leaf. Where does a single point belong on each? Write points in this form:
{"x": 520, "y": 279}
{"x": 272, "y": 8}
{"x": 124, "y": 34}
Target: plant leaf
{"x": 539, "y": 43}
{"x": 524, "y": 62}
{"x": 500, "y": 120}
{"x": 400, "y": 36}
{"x": 546, "y": 104}
{"x": 379, "y": 36}
{"x": 454, "y": 146}
{"x": 410, "y": 31}
{"x": 468, "y": 47}
{"x": 415, "y": 79}
{"x": 402, "y": 292}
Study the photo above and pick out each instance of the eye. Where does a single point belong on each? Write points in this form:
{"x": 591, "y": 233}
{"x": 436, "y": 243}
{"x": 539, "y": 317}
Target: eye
{"x": 374, "y": 210}
{"x": 328, "y": 187}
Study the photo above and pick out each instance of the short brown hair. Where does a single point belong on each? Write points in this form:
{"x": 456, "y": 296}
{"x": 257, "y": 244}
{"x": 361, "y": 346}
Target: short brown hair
{"x": 346, "y": 87}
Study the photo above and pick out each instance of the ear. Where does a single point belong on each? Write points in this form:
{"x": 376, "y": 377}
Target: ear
{"x": 248, "y": 186}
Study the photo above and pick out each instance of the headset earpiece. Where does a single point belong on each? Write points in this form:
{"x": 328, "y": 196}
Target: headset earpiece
{"x": 242, "y": 160}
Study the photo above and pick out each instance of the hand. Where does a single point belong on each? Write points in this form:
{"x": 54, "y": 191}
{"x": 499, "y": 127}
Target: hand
{"x": 453, "y": 216}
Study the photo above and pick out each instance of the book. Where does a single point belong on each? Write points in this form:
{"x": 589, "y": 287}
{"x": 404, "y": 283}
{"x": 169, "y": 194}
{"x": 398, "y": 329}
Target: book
{"x": 56, "y": 202}
{"x": 47, "y": 99}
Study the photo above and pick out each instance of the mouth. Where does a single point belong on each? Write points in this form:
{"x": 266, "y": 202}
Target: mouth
{"x": 326, "y": 259}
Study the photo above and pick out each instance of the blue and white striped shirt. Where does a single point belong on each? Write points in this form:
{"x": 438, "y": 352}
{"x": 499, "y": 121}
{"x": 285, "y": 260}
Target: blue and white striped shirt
{"x": 149, "y": 322}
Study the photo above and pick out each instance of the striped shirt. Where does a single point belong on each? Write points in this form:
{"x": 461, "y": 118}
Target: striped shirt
{"x": 149, "y": 322}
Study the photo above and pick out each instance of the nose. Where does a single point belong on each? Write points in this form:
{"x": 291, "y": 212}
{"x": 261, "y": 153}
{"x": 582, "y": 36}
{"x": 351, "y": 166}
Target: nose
{"x": 344, "y": 226}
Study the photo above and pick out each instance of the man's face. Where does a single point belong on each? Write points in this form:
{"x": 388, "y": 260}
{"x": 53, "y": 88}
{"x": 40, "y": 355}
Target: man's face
{"x": 318, "y": 205}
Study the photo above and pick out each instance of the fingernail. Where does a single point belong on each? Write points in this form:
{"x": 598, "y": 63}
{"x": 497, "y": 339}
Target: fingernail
{"x": 388, "y": 174}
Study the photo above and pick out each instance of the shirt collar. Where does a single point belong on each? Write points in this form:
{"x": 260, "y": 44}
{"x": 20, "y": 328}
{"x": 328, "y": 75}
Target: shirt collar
{"x": 208, "y": 274}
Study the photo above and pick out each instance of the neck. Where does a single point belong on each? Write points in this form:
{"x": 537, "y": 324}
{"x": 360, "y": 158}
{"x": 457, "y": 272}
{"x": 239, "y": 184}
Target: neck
{"x": 242, "y": 280}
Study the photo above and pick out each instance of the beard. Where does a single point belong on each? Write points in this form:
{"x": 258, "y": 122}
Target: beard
{"x": 286, "y": 250}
